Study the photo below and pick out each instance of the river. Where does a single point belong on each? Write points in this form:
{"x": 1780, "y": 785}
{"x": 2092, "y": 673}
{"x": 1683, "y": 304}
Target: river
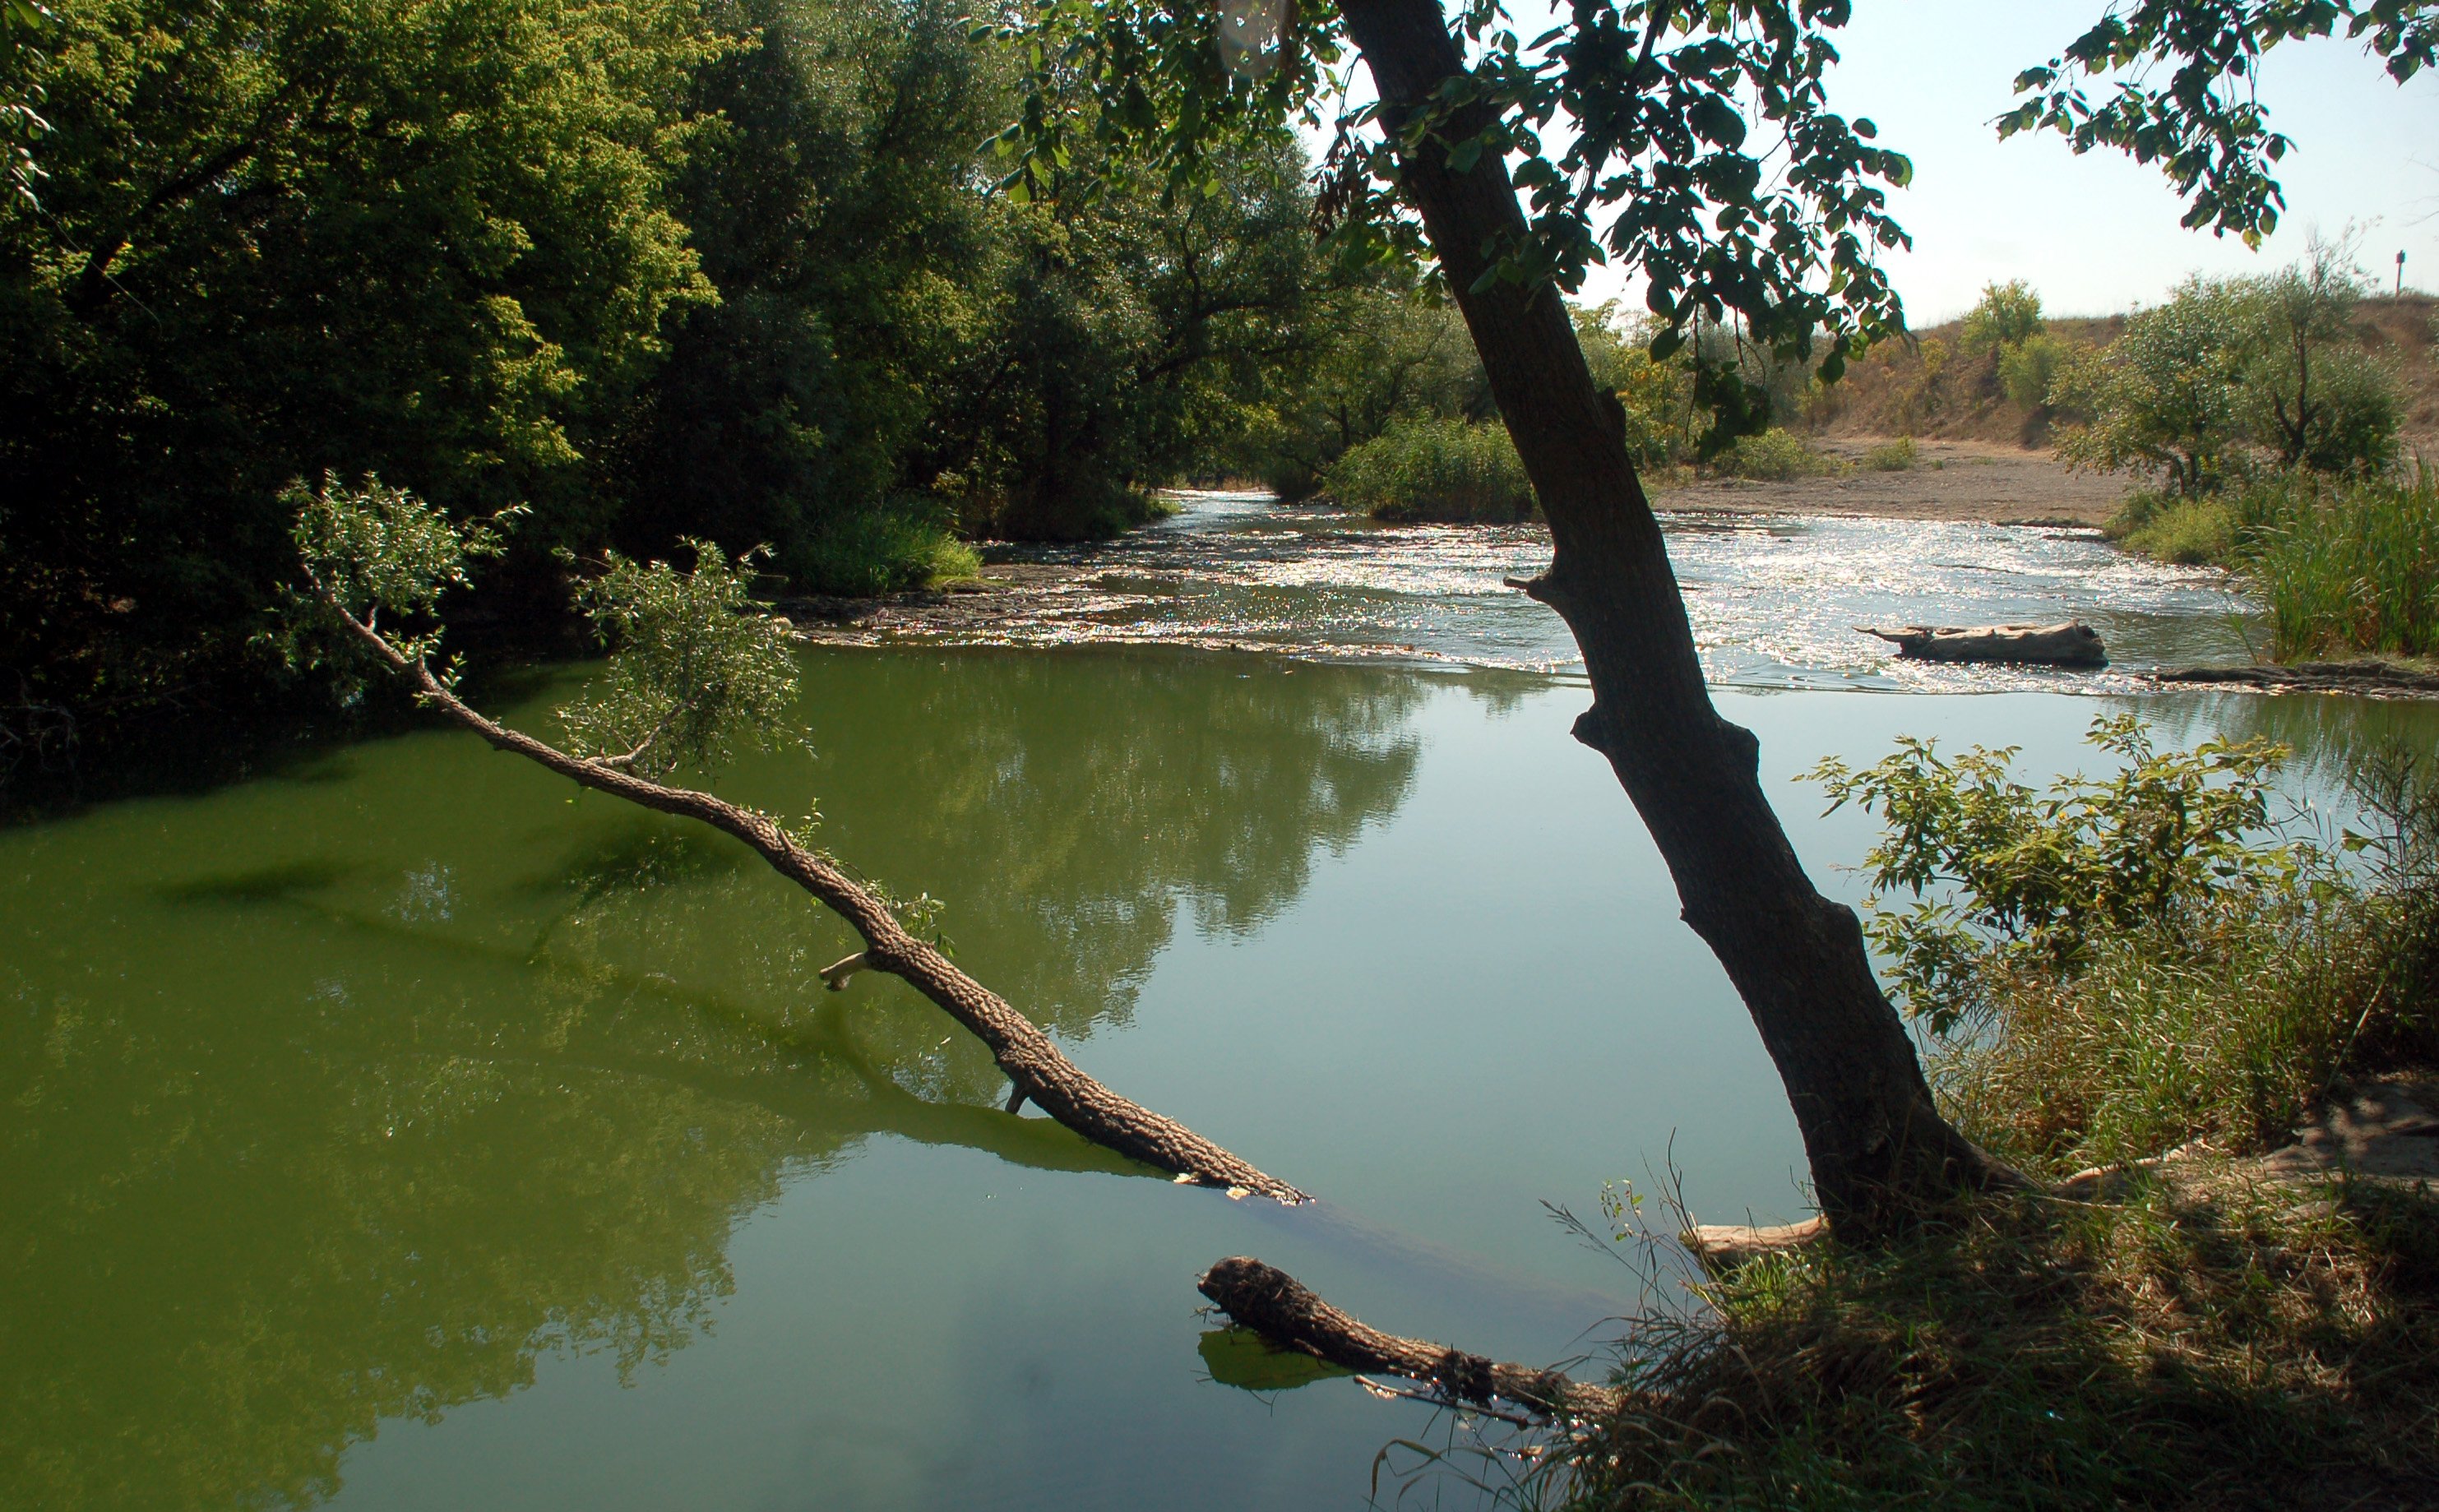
{"x": 402, "y": 1129}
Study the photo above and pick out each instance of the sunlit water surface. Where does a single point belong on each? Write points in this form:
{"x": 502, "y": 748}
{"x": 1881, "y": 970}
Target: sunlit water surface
{"x": 407, "y": 1129}
{"x": 1775, "y": 602}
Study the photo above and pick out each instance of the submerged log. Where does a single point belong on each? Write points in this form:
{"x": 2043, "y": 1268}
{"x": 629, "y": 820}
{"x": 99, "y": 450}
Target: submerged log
{"x": 2071, "y": 644}
{"x": 1285, "y": 1311}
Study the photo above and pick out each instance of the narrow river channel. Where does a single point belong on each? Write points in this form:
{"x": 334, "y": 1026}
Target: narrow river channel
{"x": 402, "y": 1129}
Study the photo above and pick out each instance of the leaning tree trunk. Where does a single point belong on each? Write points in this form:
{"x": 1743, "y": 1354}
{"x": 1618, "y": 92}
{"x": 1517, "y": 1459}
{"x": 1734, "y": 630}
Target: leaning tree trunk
{"x": 1875, "y": 1143}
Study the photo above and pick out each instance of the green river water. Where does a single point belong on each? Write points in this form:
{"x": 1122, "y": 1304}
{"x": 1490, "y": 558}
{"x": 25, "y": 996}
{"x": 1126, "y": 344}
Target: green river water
{"x": 404, "y": 1129}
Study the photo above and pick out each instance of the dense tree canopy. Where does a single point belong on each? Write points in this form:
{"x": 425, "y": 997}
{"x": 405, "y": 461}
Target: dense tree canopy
{"x": 650, "y": 269}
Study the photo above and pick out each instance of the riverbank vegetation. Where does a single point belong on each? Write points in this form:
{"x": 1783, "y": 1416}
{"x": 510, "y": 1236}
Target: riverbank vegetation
{"x": 2110, "y": 970}
{"x": 1434, "y": 469}
{"x": 2273, "y": 436}
{"x": 651, "y": 270}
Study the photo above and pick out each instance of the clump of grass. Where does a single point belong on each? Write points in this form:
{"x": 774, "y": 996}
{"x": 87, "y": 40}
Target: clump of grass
{"x": 2206, "y": 1343}
{"x": 1775, "y": 456}
{"x": 2227, "y": 1026}
{"x": 1892, "y": 456}
{"x": 2190, "y": 532}
{"x": 2344, "y": 566}
{"x": 1442, "y": 469}
{"x": 2352, "y": 567}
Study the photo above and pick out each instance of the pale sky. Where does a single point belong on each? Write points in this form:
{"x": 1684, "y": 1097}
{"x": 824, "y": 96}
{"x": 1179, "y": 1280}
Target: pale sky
{"x": 2098, "y": 233}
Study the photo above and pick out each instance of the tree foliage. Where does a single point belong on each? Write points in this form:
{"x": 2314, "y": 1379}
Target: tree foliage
{"x": 2002, "y": 872}
{"x": 650, "y": 269}
{"x": 2232, "y": 374}
{"x": 2206, "y": 126}
{"x": 1691, "y": 146}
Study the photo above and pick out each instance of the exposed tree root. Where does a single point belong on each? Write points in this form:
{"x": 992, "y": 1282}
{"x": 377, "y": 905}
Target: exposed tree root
{"x": 1035, "y": 1067}
{"x": 1282, "y": 1310}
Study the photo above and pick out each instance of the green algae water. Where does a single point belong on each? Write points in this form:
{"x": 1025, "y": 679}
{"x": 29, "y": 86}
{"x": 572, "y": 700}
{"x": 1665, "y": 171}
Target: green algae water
{"x": 407, "y": 1129}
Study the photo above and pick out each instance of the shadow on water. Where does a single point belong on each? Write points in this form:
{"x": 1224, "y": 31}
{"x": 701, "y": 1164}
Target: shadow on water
{"x": 349, "y": 1100}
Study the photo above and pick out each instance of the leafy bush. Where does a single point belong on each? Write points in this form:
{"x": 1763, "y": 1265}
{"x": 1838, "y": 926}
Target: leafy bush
{"x": 1892, "y": 456}
{"x": 1773, "y": 456}
{"x": 1445, "y": 470}
{"x": 2028, "y": 369}
{"x": 2121, "y": 963}
{"x": 2190, "y": 532}
{"x": 2163, "y": 396}
{"x": 2009, "y": 314}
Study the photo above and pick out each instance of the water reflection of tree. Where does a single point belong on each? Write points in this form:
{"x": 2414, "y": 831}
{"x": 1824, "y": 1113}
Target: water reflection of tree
{"x": 245, "y": 1225}
{"x": 2331, "y": 736}
{"x": 358, "y": 1127}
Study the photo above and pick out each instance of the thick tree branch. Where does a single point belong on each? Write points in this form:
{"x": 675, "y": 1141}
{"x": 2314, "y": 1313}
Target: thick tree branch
{"x": 1035, "y": 1065}
{"x": 1283, "y": 1310}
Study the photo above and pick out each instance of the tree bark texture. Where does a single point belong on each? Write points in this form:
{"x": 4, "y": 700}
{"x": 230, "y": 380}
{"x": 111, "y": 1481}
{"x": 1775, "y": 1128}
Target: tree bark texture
{"x": 1875, "y": 1143}
{"x": 1035, "y": 1067}
{"x": 1283, "y": 1310}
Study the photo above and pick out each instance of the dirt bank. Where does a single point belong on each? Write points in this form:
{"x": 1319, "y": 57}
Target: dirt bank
{"x": 1960, "y": 480}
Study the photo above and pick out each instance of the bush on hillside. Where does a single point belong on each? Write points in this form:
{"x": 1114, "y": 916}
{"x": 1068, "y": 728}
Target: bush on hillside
{"x": 2029, "y": 368}
{"x": 1441, "y": 470}
{"x": 2009, "y": 314}
{"x": 2233, "y": 375}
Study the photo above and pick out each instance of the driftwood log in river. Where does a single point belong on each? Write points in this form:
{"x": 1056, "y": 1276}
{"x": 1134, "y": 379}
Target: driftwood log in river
{"x": 1285, "y": 1311}
{"x": 1035, "y": 1067}
{"x": 2064, "y": 645}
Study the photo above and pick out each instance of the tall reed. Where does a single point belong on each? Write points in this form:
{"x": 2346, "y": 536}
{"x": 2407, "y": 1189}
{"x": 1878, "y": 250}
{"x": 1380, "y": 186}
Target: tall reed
{"x": 2349, "y": 567}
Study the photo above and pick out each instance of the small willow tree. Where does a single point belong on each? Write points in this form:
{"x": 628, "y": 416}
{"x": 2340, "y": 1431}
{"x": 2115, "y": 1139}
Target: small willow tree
{"x": 1693, "y": 146}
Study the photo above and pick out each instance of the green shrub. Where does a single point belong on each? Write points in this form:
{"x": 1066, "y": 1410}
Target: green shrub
{"x": 883, "y": 552}
{"x": 1892, "y": 456}
{"x": 2029, "y": 369}
{"x": 2119, "y": 965}
{"x": 1773, "y": 456}
{"x": 1443, "y": 469}
{"x": 2190, "y": 532}
{"x": 2008, "y": 315}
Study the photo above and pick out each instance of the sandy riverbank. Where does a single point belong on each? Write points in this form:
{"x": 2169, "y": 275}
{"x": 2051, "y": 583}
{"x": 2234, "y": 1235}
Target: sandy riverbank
{"x": 1970, "y": 481}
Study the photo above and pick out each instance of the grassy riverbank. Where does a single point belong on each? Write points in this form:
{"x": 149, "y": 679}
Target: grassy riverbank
{"x": 2207, "y": 1341}
{"x": 2343, "y": 567}
{"x": 2118, "y": 968}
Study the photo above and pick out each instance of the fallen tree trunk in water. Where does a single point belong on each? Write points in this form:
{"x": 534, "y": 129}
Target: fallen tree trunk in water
{"x": 2065, "y": 645}
{"x": 1035, "y": 1067}
{"x": 1282, "y": 1310}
